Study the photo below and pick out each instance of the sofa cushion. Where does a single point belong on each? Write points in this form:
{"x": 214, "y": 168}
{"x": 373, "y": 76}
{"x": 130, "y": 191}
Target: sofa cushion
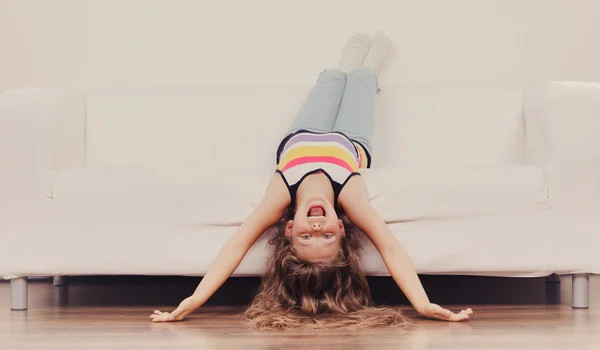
{"x": 126, "y": 212}
{"x": 435, "y": 192}
{"x": 191, "y": 195}
{"x": 240, "y": 127}
{"x": 449, "y": 125}
{"x": 213, "y": 127}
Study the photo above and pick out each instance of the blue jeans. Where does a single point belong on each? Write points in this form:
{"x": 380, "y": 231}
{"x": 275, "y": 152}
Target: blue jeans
{"x": 341, "y": 103}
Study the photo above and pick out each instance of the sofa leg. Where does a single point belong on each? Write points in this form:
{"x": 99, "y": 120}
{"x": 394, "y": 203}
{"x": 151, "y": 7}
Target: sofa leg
{"x": 59, "y": 280}
{"x": 581, "y": 291}
{"x": 18, "y": 287}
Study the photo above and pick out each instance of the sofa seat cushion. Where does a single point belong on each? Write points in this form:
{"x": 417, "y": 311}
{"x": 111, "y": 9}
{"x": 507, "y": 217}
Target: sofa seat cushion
{"x": 196, "y": 196}
{"x": 111, "y": 220}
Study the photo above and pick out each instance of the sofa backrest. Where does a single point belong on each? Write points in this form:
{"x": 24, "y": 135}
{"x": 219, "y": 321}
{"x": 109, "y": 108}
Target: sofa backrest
{"x": 235, "y": 128}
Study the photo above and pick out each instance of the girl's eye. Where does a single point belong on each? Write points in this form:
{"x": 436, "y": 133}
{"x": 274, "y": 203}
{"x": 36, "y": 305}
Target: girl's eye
{"x": 327, "y": 235}
{"x": 305, "y": 236}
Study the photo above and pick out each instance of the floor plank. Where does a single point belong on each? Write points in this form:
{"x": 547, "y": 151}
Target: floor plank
{"x": 81, "y": 316}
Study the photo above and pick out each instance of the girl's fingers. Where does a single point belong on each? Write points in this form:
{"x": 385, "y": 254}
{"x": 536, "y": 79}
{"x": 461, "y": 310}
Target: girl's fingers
{"x": 461, "y": 316}
{"x": 447, "y": 315}
{"x": 161, "y": 318}
{"x": 467, "y": 312}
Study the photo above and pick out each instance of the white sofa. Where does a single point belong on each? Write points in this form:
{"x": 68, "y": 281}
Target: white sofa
{"x": 488, "y": 181}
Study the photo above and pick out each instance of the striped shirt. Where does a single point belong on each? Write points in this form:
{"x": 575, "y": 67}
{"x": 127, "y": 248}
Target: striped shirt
{"x": 305, "y": 152}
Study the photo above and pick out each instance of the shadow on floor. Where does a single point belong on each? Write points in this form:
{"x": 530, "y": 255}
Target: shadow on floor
{"x": 237, "y": 291}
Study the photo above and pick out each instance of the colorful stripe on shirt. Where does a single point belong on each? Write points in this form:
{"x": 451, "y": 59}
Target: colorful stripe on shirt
{"x": 333, "y": 153}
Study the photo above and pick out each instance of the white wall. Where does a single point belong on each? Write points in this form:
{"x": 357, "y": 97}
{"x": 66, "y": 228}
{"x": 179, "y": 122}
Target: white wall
{"x": 101, "y": 43}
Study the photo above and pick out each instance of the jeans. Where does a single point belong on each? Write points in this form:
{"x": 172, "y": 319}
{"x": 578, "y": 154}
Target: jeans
{"x": 341, "y": 103}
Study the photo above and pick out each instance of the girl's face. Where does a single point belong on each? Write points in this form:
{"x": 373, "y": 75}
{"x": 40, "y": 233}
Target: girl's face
{"x": 316, "y": 230}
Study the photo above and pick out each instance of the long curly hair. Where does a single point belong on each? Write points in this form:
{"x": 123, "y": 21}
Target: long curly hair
{"x": 296, "y": 293}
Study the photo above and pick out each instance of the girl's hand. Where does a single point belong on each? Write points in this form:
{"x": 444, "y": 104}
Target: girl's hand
{"x": 186, "y": 307}
{"x": 437, "y": 312}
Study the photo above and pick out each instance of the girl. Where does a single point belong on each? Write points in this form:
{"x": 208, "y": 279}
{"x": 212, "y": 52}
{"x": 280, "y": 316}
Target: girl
{"x": 315, "y": 200}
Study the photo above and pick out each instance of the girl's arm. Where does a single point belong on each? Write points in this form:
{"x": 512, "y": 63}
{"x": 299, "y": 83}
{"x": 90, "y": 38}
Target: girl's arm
{"x": 268, "y": 212}
{"x": 355, "y": 202}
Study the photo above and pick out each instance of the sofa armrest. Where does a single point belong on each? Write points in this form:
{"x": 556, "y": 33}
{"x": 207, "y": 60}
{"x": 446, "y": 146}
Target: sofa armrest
{"x": 41, "y": 132}
{"x": 562, "y": 122}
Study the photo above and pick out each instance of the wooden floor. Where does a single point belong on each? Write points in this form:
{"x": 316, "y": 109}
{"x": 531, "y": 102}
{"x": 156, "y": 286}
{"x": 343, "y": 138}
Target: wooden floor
{"x": 81, "y": 317}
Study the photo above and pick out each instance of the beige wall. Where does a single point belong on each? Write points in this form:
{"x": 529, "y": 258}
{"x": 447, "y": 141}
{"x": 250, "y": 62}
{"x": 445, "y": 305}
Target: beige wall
{"x": 102, "y": 43}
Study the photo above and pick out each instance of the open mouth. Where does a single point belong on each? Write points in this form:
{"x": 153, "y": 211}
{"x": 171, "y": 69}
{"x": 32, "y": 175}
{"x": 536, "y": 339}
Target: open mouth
{"x": 316, "y": 212}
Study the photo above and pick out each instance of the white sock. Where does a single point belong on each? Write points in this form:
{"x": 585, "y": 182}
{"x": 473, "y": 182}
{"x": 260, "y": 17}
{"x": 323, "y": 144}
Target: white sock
{"x": 354, "y": 52}
{"x": 380, "y": 49}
